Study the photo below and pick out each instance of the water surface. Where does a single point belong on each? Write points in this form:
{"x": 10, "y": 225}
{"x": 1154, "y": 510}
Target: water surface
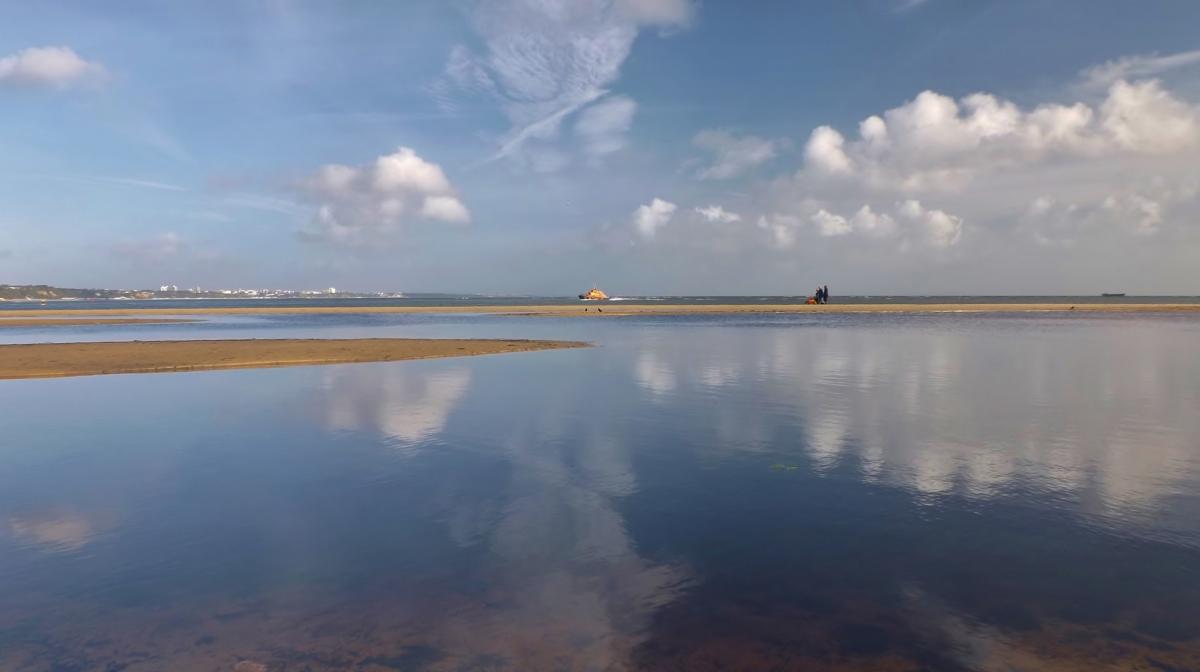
{"x": 793, "y": 492}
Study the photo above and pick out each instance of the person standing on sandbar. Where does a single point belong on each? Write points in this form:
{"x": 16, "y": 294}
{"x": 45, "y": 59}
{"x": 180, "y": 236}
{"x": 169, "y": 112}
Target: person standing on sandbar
{"x": 825, "y": 294}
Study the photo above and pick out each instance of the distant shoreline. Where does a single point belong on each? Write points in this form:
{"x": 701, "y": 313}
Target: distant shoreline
{"x": 610, "y": 309}
{"x": 56, "y": 360}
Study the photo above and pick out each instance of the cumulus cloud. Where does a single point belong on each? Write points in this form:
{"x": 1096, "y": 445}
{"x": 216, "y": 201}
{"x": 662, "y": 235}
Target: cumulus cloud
{"x": 908, "y": 225}
{"x": 878, "y": 225}
{"x": 783, "y": 229}
{"x": 732, "y": 155}
{"x": 1140, "y": 211}
{"x": 935, "y": 142}
{"x": 371, "y": 203}
{"x": 602, "y": 127}
{"x": 716, "y": 213}
{"x": 829, "y": 224}
{"x": 48, "y": 67}
{"x": 939, "y": 228}
{"x": 826, "y": 152}
{"x": 545, "y": 60}
{"x": 649, "y": 218}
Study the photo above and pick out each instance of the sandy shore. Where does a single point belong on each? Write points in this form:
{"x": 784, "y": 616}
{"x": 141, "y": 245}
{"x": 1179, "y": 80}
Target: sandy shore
{"x": 612, "y": 309}
{"x": 83, "y": 321}
{"x": 49, "y": 360}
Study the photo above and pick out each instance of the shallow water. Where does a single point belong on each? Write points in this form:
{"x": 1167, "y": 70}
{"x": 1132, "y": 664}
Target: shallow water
{"x": 871, "y": 492}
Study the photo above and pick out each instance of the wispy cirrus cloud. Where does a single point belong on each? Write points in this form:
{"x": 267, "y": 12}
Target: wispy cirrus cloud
{"x": 134, "y": 182}
{"x": 733, "y": 155}
{"x": 541, "y": 61}
{"x": 1102, "y": 76}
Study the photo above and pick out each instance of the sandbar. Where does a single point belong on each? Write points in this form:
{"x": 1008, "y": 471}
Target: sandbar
{"x": 51, "y": 360}
{"x": 610, "y": 309}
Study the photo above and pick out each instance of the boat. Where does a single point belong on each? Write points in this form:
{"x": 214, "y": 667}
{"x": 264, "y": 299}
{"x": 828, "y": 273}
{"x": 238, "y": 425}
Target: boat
{"x": 1113, "y": 294}
{"x": 594, "y": 294}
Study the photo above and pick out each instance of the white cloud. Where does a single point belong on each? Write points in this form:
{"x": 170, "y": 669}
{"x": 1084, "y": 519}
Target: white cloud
{"x": 544, "y": 60}
{"x": 1144, "y": 213}
{"x": 829, "y": 224}
{"x": 649, "y": 218}
{"x": 934, "y": 142}
{"x": 405, "y": 171}
{"x": 825, "y": 151}
{"x": 783, "y": 229}
{"x": 733, "y": 155}
{"x": 1144, "y": 118}
{"x": 1141, "y": 210}
{"x": 716, "y": 213}
{"x": 369, "y": 204}
{"x": 50, "y": 67}
{"x": 867, "y": 222}
{"x": 663, "y": 13}
{"x": 910, "y": 223}
{"x": 602, "y": 127}
{"x": 939, "y": 228}
{"x": 1102, "y": 76}
{"x": 446, "y": 209}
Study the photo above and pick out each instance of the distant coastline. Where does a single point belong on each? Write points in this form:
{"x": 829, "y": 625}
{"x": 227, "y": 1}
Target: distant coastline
{"x": 39, "y": 293}
{"x": 585, "y": 309}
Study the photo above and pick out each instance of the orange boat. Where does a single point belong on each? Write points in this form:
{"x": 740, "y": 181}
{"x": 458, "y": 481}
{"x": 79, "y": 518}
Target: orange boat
{"x": 594, "y": 294}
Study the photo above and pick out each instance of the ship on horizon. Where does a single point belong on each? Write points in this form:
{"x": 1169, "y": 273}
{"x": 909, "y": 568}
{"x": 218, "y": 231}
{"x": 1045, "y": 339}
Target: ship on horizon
{"x": 594, "y": 294}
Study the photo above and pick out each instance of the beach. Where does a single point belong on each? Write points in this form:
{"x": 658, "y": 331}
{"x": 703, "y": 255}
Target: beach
{"x": 52, "y": 360}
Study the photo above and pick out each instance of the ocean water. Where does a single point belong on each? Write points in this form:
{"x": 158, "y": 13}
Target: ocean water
{"x": 788, "y": 492}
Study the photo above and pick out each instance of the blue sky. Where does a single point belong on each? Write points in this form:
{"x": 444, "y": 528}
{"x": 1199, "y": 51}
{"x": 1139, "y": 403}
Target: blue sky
{"x": 650, "y": 146}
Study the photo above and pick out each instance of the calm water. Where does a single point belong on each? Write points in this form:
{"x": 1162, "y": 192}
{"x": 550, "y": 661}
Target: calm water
{"x": 828, "y": 492}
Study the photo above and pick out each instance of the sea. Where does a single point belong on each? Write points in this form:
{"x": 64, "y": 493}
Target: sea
{"x": 958, "y": 492}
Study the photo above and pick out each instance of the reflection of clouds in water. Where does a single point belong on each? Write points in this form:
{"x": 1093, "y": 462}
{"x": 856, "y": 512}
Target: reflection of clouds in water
{"x": 1090, "y": 409}
{"x": 826, "y": 437}
{"x": 56, "y": 532}
{"x": 718, "y": 375}
{"x": 654, "y": 374}
{"x": 401, "y": 402}
{"x": 980, "y": 647}
{"x": 560, "y": 560}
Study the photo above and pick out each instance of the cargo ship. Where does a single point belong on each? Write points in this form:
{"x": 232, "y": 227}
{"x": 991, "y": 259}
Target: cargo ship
{"x": 594, "y": 294}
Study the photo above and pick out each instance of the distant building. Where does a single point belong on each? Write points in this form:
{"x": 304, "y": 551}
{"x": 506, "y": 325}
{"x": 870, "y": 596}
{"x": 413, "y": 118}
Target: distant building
{"x": 168, "y": 288}
{"x": 331, "y": 290}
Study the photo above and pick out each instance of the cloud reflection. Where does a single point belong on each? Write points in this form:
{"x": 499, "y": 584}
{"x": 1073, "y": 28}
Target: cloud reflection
{"x": 976, "y": 412}
{"x": 55, "y": 531}
{"x": 403, "y": 403}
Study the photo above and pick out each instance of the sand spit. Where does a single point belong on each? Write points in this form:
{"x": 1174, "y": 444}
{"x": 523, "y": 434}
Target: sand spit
{"x": 50, "y": 360}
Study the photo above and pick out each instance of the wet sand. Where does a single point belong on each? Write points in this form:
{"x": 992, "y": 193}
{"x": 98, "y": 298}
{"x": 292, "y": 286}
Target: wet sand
{"x": 50, "y": 360}
{"x": 620, "y": 308}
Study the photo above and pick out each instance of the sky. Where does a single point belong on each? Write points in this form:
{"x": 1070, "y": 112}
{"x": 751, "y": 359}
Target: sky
{"x": 644, "y": 146}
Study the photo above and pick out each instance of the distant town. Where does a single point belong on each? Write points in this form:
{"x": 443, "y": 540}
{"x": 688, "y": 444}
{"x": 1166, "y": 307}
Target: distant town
{"x": 50, "y": 293}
